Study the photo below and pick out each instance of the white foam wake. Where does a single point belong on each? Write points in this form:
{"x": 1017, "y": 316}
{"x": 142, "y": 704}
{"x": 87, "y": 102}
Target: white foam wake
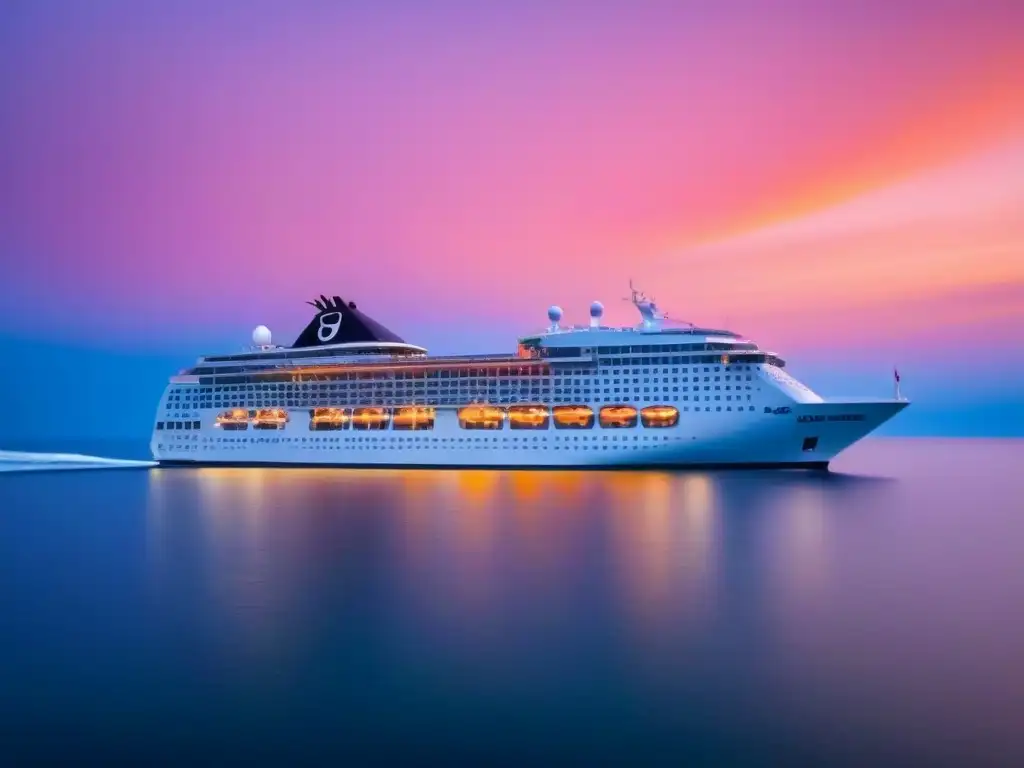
{"x": 24, "y": 461}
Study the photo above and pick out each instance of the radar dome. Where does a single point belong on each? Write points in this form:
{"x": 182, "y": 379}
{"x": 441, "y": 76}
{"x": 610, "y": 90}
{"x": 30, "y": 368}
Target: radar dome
{"x": 596, "y": 309}
{"x": 261, "y": 336}
{"x": 554, "y": 314}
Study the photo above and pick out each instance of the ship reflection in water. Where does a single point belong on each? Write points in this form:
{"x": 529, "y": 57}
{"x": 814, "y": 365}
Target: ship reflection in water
{"x": 721, "y": 617}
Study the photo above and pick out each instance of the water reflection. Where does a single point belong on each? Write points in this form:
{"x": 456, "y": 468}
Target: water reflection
{"x": 797, "y": 541}
{"x": 451, "y": 552}
{"x": 662, "y": 550}
{"x": 671, "y": 587}
{"x": 722, "y": 618}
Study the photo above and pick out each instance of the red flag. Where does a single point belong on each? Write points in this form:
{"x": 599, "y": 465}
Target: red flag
{"x": 896, "y": 374}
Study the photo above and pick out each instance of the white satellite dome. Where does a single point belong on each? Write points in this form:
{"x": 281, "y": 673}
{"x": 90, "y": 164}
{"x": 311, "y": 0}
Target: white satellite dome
{"x": 596, "y": 309}
{"x": 261, "y": 336}
{"x": 554, "y": 314}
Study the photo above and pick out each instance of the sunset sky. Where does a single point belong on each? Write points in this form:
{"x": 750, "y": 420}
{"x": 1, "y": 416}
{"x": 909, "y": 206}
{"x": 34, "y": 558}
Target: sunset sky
{"x": 841, "y": 181}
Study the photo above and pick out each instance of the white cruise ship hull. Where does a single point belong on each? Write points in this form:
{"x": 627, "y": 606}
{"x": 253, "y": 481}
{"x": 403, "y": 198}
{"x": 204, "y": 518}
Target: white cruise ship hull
{"x": 591, "y": 396}
{"x": 799, "y": 435}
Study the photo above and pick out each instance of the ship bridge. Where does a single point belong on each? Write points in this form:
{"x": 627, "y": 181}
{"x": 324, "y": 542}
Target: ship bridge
{"x": 651, "y": 339}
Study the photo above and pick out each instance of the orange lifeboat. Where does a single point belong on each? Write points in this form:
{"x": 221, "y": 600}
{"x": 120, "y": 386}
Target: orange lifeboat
{"x": 481, "y": 417}
{"x": 573, "y": 416}
{"x": 659, "y": 416}
{"x": 414, "y": 417}
{"x": 618, "y": 416}
{"x": 233, "y": 418}
{"x": 528, "y": 417}
{"x": 328, "y": 419}
{"x": 370, "y": 418}
{"x": 270, "y": 418}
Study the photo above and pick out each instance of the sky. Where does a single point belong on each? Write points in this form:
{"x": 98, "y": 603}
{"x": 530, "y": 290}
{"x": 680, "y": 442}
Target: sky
{"x": 842, "y": 182}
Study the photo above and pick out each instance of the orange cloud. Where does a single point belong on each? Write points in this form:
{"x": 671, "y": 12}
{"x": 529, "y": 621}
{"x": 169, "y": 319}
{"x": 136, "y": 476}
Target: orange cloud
{"x": 982, "y": 108}
{"x": 897, "y": 253}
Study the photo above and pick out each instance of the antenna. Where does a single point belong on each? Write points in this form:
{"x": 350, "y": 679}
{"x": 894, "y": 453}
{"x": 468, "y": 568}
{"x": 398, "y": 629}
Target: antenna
{"x": 648, "y": 308}
{"x": 635, "y": 296}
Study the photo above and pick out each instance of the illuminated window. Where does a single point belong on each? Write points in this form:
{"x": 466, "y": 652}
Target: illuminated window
{"x": 328, "y": 419}
{"x": 414, "y": 418}
{"x": 659, "y": 416}
{"x": 481, "y": 417}
{"x": 528, "y": 417}
{"x": 573, "y": 417}
{"x": 618, "y": 416}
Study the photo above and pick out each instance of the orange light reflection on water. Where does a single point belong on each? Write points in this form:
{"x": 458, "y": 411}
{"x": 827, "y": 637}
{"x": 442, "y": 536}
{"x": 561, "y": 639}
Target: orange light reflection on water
{"x": 454, "y": 533}
{"x": 661, "y": 544}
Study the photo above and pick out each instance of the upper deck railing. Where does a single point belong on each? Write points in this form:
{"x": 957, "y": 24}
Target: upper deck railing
{"x": 647, "y": 331}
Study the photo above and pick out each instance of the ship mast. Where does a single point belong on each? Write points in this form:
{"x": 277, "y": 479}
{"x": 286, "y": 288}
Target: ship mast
{"x": 651, "y": 318}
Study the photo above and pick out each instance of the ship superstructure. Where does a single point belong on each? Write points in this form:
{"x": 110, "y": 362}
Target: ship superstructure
{"x": 350, "y": 392}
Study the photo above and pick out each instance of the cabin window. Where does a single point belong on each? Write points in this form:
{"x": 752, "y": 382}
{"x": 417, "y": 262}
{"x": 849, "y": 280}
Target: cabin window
{"x": 810, "y": 444}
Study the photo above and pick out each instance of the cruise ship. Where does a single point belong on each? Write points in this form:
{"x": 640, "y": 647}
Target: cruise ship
{"x": 661, "y": 393}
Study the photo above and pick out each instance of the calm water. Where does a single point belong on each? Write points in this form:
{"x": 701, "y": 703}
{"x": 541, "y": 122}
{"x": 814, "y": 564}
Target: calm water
{"x": 875, "y": 614}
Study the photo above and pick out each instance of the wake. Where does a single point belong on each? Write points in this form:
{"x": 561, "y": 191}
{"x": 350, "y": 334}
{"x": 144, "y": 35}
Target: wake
{"x": 24, "y": 461}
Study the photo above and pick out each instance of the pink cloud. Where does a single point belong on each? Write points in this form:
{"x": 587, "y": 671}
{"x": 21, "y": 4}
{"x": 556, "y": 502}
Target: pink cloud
{"x": 201, "y": 164}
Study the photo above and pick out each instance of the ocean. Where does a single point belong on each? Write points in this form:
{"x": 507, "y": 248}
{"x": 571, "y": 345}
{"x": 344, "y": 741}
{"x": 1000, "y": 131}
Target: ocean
{"x": 872, "y": 615}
